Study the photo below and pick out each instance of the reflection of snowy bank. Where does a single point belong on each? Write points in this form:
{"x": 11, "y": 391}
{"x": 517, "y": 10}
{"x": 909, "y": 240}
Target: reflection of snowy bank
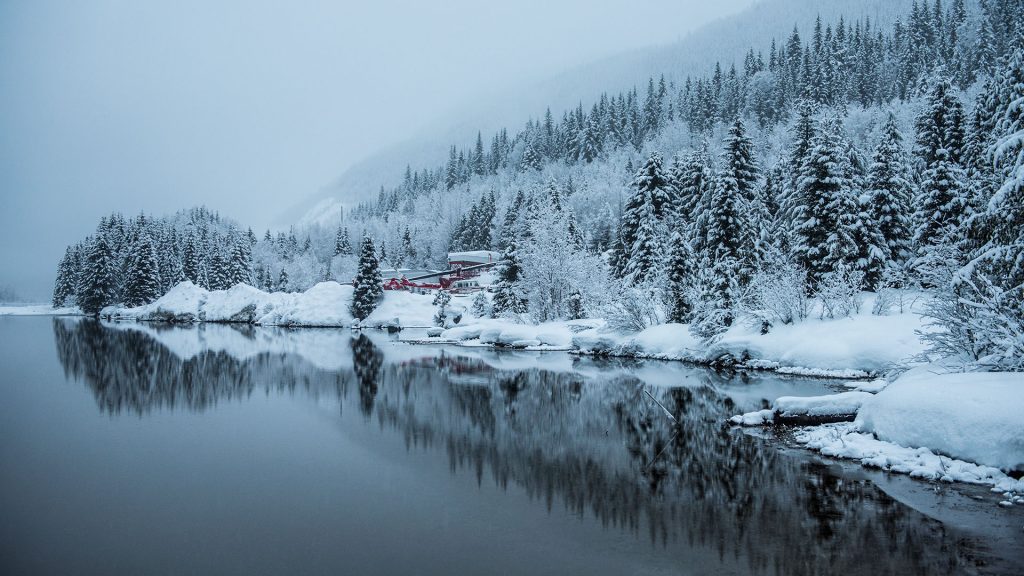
{"x": 930, "y": 423}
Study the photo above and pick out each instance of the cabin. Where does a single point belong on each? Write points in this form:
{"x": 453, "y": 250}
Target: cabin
{"x": 457, "y": 261}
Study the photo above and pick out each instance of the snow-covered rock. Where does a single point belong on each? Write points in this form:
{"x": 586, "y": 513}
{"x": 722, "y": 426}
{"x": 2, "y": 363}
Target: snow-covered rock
{"x": 975, "y": 416}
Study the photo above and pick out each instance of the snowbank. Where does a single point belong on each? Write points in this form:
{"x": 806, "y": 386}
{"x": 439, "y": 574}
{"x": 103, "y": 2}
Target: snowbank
{"x": 500, "y": 332}
{"x": 853, "y": 347}
{"x": 977, "y": 416}
{"x": 847, "y": 441}
{"x": 323, "y": 305}
{"x": 803, "y": 408}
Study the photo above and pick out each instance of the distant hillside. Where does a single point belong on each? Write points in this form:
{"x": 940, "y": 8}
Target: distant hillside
{"x": 725, "y": 40}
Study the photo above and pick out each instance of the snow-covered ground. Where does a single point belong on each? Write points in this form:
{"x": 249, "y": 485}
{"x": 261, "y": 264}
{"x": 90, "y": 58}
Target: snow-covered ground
{"x": 325, "y": 304}
{"x": 854, "y": 347}
{"x": 37, "y": 310}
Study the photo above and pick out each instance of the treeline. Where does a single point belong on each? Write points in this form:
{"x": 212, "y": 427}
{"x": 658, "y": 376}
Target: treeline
{"x": 133, "y": 261}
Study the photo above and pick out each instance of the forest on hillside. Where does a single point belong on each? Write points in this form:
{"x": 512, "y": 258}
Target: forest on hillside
{"x": 835, "y": 160}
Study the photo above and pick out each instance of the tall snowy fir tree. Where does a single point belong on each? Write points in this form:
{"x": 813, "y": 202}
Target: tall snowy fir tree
{"x": 367, "y": 289}
{"x": 508, "y": 296}
{"x": 681, "y": 272}
{"x": 64, "y": 287}
{"x": 826, "y": 219}
{"x": 142, "y": 280}
{"x": 97, "y": 288}
{"x": 889, "y": 192}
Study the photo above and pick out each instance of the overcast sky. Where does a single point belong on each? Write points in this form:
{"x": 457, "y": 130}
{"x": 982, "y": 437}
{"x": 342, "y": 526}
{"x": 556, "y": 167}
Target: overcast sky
{"x": 250, "y": 106}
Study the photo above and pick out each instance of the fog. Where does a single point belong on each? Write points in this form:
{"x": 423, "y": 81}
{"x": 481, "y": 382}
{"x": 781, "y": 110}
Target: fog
{"x": 248, "y": 107}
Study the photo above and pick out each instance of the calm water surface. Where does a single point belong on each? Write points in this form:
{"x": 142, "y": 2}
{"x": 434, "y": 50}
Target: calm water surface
{"x": 131, "y": 449}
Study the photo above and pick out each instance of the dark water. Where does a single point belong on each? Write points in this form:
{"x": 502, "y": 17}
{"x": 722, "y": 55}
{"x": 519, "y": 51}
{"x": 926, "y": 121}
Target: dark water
{"x": 218, "y": 450}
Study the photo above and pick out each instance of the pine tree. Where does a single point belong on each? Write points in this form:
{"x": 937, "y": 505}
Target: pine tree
{"x": 190, "y": 264}
{"x": 645, "y": 253}
{"x": 142, "y": 284}
{"x": 739, "y": 160}
{"x": 64, "y": 287}
{"x": 508, "y": 297}
{"x": 240, "y": 265}
{"x": 342, "y": 246}
{"x": 826, "y": 218}
{"x": 680, "y": 279}
{"x": 282, "y": 281}
{"x": 97, "y": 288}
{"x": 940, "y": 126}
{"x": 941, "y": 206}
{"x": 889, "y": 192}
{"x": 367, "y": 285}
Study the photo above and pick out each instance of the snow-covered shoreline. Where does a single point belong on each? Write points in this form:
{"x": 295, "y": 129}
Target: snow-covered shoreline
{"x": 857, "y": 347}
{"x": 890, "y": 419}
{"x": 934, "y": 422}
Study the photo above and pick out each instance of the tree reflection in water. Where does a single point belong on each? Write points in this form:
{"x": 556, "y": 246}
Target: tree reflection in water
{"x": 595, "y": 445}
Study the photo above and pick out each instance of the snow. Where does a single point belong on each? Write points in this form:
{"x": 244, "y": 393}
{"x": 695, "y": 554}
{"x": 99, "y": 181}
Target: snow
{"x": 326, "y": 305}
{"x": 829, "y": 405}
{"x": 842, "y": 404}
{"x": 501, "y": 332}
{"x": 976, "y": 416}
{"x": 845, "y": 440}
{"x": 854, "y": 347}
{"x": 38, "y": 310}
{"x": 479, "y": 256}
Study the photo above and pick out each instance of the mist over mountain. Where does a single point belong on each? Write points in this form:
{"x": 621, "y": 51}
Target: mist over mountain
{"x": 724, "y": 40}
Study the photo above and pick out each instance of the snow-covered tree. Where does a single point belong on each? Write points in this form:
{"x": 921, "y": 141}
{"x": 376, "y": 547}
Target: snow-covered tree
{"x": 826, "y": 217}
{"x": 889, "y": 192}
{"x": 142, "y": 280}
{"x": 367, "y": 286}
{"x": 97, "y": 287}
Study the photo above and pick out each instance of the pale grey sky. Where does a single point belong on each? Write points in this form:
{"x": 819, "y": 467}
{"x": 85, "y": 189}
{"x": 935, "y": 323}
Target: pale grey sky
{"x": 248, "y": 106}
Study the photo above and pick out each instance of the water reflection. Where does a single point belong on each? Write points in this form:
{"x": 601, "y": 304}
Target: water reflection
{"x": 595, "y": 445}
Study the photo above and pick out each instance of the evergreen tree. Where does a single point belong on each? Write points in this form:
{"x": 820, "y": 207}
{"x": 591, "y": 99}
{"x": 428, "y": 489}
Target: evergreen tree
{"x": 508, "y": 297}
{"x": 282, "y": 281}
{"x": 342, "y": 245}
{"x": 739, "y": 160}
{"x": 680, "y": 279}
{"x": 367, "y": 285}
{"x": 889, "y": 192}
{"x": 240, "y": 264}
{"x": 826, "y": 218}
{"x": 940, "y": 126}
{"x": 142, "y": 284}
{"x": 97, "y": 289}
{"x": 64, "y": 288}
{"x": 190, "y": 265}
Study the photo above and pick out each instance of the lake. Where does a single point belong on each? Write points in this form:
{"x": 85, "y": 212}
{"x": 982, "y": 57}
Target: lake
{"x": 145, "y": 449}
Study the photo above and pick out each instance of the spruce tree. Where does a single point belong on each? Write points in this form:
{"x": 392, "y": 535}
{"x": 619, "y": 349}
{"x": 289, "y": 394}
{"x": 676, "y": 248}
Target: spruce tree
{"x": 240, "y": 265}
{"x": 367, "y": 285}
{"x": 142, "y": 284}
{"x": 282, "y": 281}
{"x": 508, "y": 297}
{"x": 889, "y": 192}
{"x": 826, "y": 217}
{"x": 97, "y": 288}
{"x": 342, "y": 245}
{"x": 680, "y": 279}
{"x": 64, "y": 287}
{"x": 190, "y": 262}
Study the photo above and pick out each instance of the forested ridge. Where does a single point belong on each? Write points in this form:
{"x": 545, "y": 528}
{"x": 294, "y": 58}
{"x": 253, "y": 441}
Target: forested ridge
{"x": 839, "y": 159}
